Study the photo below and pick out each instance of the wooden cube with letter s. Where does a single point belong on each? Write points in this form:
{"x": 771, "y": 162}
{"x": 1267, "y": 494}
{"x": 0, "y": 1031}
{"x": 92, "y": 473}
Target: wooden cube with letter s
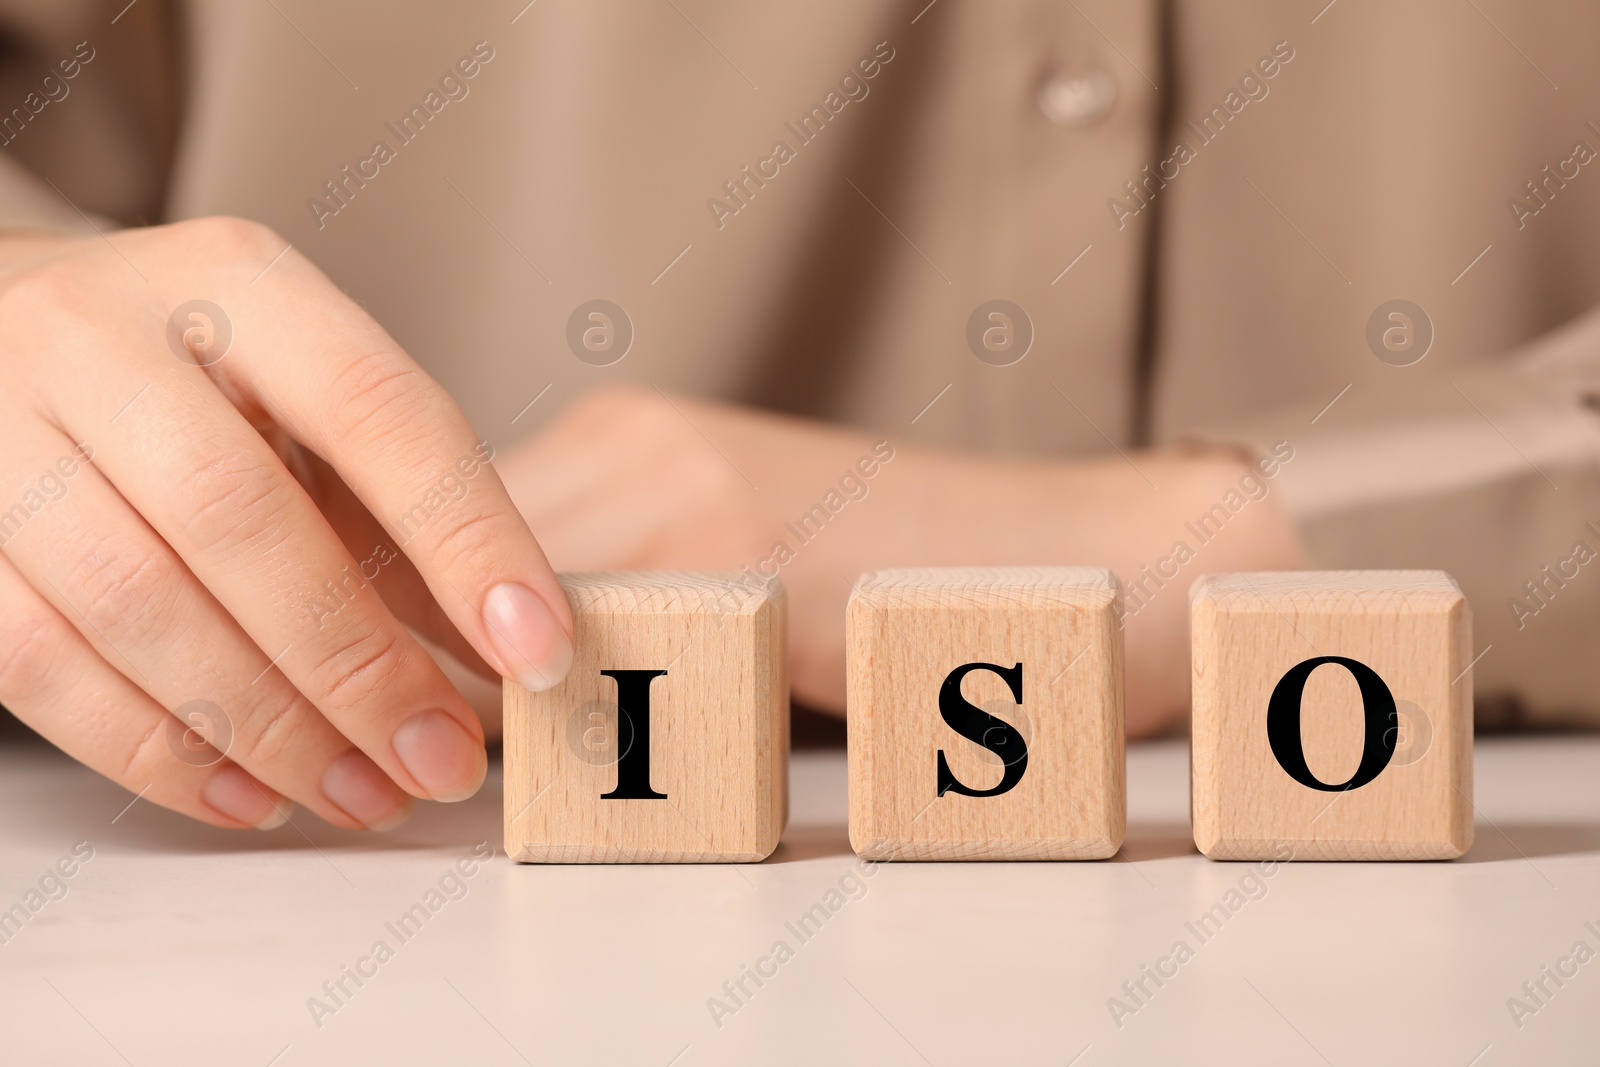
{"x": 985, "y": 714}
{"x": 668, "y": 741}
{"x": 1332, "y": 715}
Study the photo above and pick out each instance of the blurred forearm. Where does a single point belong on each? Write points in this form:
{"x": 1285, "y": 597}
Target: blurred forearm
{"x": 628, "y": 480}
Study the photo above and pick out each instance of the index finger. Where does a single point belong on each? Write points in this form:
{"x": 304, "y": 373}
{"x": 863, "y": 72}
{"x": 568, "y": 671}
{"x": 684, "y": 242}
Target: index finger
{"x": 332, "y": 377}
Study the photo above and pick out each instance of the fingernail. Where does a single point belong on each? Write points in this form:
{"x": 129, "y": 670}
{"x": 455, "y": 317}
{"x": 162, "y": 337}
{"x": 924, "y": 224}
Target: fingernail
{"x": 365, "y": 793}
{"x": 536, "y": 650}
{"x": 238, "y": 796}
{"x": 443, "y": 758}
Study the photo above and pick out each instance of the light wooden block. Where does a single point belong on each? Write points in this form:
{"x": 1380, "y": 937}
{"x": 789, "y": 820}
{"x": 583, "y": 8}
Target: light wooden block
{"x": 1413, "y": 629}
{"x": 718, "y": 738}
{"x": 1051, "y": 629}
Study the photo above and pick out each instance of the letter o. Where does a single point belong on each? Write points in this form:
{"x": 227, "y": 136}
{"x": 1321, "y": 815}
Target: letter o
{"x": 1378, "y": 711}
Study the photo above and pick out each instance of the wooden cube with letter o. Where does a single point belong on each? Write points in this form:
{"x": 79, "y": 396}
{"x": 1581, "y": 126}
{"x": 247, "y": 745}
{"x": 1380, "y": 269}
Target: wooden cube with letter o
{"x": 1332, "y": 715}
{"x": 668, "y": 741}
{"x": 985, "y": 714}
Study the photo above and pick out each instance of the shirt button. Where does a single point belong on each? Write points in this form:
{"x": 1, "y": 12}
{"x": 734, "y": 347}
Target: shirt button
{"x": 1078, "y": 97}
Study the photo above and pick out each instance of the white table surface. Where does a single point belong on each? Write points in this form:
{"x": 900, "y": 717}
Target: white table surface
{"x": 180, "y": 944}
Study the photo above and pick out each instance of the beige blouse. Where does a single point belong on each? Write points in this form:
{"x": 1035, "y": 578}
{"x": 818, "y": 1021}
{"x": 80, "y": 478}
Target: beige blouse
{"x": 1363, "y": 231}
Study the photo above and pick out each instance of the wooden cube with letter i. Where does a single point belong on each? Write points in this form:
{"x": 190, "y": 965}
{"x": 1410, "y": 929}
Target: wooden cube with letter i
{"x": 1332, "y": 715}
{"x": 668, "y": 741}
{"x": 985, "y": 714}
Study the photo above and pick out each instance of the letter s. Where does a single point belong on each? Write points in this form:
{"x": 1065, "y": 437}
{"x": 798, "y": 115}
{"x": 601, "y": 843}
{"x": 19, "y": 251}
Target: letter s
{"x": 977, "y": 725}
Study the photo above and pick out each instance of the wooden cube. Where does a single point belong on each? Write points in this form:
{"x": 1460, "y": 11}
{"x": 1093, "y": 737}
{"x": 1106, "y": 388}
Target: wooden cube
{"x": 668, "y": 742}
{"x": 1332, "y": 715}
{"x": 985, "y": 714}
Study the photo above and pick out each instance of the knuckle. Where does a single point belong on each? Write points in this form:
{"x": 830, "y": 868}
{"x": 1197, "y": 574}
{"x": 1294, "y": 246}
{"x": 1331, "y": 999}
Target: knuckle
{"x": 471, "y": 536}
{"x": 31, "y": 644}
{"x": 124, "y": 589}
{"x": 37, "y": 294}
{"x": 229, "y": 237}
{"x": 148, "y": 756}
{"x": 269, "y": 741}
{"x": 236, "y": 502}
{"x": 365, "y": 668}
{"x": 377, "y": 396}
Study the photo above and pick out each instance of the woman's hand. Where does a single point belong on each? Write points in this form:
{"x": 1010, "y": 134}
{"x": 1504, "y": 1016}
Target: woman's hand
{"x": 637, "y": 479}
{"x": 199, "y": 505}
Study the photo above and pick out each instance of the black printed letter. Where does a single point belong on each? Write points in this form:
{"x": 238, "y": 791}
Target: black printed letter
{"x": 1283, "y": 723}
{"x": 633, "y": 736}
{"x": 975, "y": 724}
